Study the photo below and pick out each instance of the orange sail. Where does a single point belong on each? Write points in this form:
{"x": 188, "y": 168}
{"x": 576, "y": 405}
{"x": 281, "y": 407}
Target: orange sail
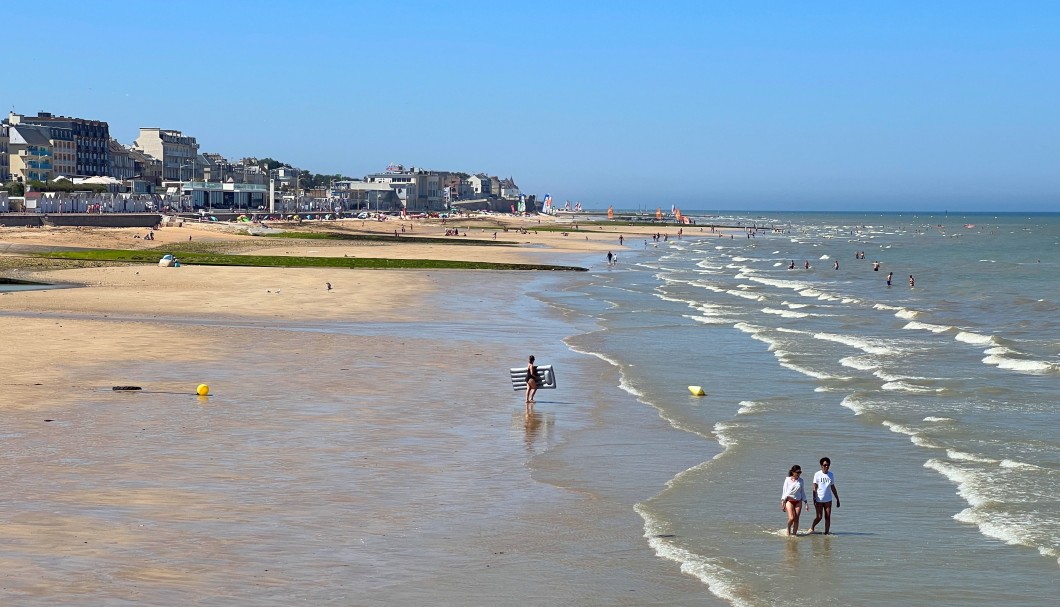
{"x": 610, "y": 212}
{"x": 658, "y": 213}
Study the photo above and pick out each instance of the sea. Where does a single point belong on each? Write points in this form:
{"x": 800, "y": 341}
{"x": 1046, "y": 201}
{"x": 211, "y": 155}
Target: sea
{"x": 936, "y": 398}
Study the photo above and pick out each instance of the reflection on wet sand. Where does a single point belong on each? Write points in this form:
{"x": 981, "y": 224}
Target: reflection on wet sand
{"x": 535, "y": 424}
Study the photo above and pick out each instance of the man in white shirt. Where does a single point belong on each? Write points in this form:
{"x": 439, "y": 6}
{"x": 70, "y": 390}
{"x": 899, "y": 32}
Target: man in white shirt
{"x": 823, "y": 489}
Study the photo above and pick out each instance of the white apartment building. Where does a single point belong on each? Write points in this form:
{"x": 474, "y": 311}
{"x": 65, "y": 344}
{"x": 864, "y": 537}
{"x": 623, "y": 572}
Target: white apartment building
{"x": 177, "y": 152}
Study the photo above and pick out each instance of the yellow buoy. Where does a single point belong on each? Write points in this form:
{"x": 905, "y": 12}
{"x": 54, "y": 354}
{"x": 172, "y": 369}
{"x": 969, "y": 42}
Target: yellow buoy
{"x": 696, "y": 391}
{"x": 202, "y": 390}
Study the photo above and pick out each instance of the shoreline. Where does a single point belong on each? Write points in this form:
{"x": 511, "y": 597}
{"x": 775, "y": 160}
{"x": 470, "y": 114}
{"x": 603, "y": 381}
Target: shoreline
{"x": 443, "y": 415}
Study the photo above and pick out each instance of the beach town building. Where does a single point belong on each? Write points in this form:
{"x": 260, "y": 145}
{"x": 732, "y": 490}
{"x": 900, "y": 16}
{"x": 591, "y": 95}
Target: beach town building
{"x": 365, "y": 196}
{"x": 421, "y": 190}
{"x": 146, "y": 169}
{"x": 63, "y": 148}
{"x": 178, "y": 153}
{"x": 30, "y": 153}
{"x": 90, "y": 138}
{"x": 122, "y": 165}
{"x": 5, "y": 162}
{"x": 479, "y": 185}
{"x": 508, "y": 190}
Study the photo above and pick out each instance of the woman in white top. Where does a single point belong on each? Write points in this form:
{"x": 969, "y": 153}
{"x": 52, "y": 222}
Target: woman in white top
{"x": 823, "y": 490}
{"x": 792, "y": 498}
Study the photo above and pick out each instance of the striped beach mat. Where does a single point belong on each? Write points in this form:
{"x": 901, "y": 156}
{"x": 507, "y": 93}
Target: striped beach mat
{"x": 546, "y": 377}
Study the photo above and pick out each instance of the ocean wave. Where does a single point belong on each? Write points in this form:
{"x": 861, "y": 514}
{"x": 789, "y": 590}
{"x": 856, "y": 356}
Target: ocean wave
{"x": 818, "y": 295}
{"x": 795, "y": 306}
{"x": 969, "y": 457}
{"x": 745, "y": 295}
{"x": 1013, "y": 464}
{"x": 923, "y": 326}
{"x": 690, "y": 302}
{"x": 906, "y": 314}
{"x": 807, "y": 372}
{"x": 935, "y": 419}
{"x": 709, "y": 320}
{"x": 977, "y": 339}
{"x": 786, "y": 313}
{"x": 719, "y": 580}
{"x": 780, "y": 283}
{"x": 706, "y": 285}
{"x": 853, "y": 404}
{"x": 914, "y": 435}
{"x": 859, "y": 363}
{"x": 724, "y": 439}
{"x": 972, "y": 485}
{"x": 901, "y": 386}
{"x": 860, "y": 343}
{"x": 747, "y": 407}
{"x": 997, "y": 526}
{"x": 880, "y": 306}
{"x": 1022, "y": 365}
{"x": 899, "y": 428}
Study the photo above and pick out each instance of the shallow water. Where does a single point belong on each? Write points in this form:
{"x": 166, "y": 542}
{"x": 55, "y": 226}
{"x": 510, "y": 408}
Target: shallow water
{"x": 936, "y": 404}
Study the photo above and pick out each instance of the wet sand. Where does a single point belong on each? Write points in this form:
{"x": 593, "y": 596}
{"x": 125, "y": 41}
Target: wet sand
{"x": 360, "y": 446}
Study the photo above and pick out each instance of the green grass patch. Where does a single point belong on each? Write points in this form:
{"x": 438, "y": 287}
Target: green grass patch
{"x": 385, "y": 238}
{"x": 280, "y": 261}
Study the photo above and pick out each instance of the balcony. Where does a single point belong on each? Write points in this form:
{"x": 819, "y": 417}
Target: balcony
{"x": 43, "y": 166}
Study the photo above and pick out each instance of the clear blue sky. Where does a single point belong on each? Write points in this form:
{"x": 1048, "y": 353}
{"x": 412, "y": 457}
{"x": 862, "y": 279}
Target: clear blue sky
{"x": 710, "y": 105}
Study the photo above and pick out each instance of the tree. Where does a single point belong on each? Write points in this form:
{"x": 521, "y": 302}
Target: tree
{"x": 14, "y": 188}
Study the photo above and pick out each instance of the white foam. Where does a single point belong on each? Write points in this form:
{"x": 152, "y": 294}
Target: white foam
{"x": 780, "y": 283}
{"x": 969, "y": 337}
{"x": 795, "y": 306}
{"x": 709, "y": 320}
{"x": 717, "y": 578}
{"x": 785, "y": 313}
{"x": 932, "y": 418}
{"x": 886, "y": 307}
{"x": 994, "y": 525}
{"x": 1008, "y": 463}
{"x": 901, "y": 386}
{"x": 853, "y": 404}
{"x": 747, "y": 407}
{"x": 724, "y": 438}
{"x": 858, "y": 362}
{"x": 905, "y": 314}
{"x": 954, "y": 454}
{"x": 1019, "y": 364}
{"x": 745, "y": 295}
{"x": 964, "y": 479}
{"x": 807, "y": 372}
{"x": 899, "y": 428}
{"x": 923, "y": 326}
{"x": 860, "y": 343}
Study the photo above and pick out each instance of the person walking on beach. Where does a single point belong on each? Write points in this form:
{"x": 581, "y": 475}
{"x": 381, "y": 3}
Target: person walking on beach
{"x": 792, "y": 498}
{"x": 610, "y": 256}
{"x": 823, "y": 490}
{"x": 531, "y": 382}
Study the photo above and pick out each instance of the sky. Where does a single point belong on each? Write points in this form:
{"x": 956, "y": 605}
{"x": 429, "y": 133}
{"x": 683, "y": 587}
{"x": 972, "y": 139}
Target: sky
{"x": 768, "y": 105}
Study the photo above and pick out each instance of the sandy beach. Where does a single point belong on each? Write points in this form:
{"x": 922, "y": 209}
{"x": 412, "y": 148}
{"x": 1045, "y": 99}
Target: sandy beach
{"x": 359, "y": 446}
